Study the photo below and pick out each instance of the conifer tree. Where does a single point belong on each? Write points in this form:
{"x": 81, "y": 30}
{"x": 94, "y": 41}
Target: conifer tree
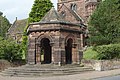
{"x": 104, "y": 24}
{"x": 4, "y": 25}
{"x": 39, "y": 9}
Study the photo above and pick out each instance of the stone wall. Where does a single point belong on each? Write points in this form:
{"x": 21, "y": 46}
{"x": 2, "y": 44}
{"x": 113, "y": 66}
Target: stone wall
{"x": 67, "y": 7}
{"x": 4, "y": 64}
{"x": 102, "y": 65}
{"x": 84, "y": 8}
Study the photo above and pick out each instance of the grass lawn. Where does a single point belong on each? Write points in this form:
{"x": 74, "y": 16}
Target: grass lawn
{"x": 89, "y": 54}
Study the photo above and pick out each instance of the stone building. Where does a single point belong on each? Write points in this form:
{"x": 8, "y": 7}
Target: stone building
{"x": 17, "y": 29}
{"x": 77, "y": 10}
{"x": 59, "y": 37}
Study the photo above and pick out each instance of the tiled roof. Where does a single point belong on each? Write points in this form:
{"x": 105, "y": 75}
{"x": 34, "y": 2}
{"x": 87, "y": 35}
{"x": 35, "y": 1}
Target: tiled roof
{"x": 18, "y": 27}
{"x": 52, "y": 16}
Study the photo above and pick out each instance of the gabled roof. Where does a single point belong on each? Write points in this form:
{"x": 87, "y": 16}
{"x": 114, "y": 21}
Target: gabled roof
{"x": 74, "y": 13}
{"x": 17, "y": 27}
{"x": 52, "y": 16}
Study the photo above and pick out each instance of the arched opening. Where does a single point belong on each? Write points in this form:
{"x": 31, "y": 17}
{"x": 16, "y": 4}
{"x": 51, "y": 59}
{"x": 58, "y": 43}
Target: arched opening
{"x": 68, "y": 51}
{"x": 45, "y": 51}
{"x": 73, "y": 7}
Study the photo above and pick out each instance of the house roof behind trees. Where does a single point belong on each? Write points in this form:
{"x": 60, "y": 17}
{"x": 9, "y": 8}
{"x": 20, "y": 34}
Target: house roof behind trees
{"x": 17, "y": 27}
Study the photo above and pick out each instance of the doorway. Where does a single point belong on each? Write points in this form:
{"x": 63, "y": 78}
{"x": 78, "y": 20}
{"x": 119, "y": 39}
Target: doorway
{"x": 68, "y": 51}
{"x": 45, "y": 51}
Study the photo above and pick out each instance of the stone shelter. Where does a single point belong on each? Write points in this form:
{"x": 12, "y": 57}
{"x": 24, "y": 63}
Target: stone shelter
{"x": 59, "y": 37}
{"x": 54, "y": 40}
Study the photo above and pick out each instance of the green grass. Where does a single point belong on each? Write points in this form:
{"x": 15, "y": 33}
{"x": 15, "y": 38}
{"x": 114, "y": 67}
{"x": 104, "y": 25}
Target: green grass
{"x": 89, "y": 54}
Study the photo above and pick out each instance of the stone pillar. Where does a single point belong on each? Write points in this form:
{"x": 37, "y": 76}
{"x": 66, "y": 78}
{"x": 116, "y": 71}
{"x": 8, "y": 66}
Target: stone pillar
{"x": 31, "y": 51}
{"x": 58, "y": 53}
{"x": 62, "y": 55}
{"x": 80, "y": 56}
{"x": 52, "y": 48}
{"x": 79, "y": 51}
{"x": 62, "y": 50}
{"x": 74, "y": 53}
{"x": 55, "y": 50}
{"x": 38, "y": 56}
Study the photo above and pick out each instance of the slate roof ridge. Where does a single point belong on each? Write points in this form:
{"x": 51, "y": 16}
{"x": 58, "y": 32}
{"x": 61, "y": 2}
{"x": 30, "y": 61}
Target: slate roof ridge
{"x": 52, "y": 16}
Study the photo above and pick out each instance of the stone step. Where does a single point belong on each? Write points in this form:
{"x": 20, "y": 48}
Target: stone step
{"x": 44, "y": 70}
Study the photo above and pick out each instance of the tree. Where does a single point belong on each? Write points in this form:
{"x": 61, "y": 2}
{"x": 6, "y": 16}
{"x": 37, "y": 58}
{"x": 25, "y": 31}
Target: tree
{"x": 1, "y": 13}
{"x": 10, "y": 50}
{"x": 4, "y": 25}
{"x": 39, "y": 9}
{"x": 104, "y": 24}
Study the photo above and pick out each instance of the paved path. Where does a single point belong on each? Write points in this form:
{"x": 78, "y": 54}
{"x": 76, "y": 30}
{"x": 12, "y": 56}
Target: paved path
{"x": 82, "y": 76}
{"x": 117, "y": 77}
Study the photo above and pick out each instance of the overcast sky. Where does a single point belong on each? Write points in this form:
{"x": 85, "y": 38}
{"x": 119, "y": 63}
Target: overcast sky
{"x": 17, "y": 8}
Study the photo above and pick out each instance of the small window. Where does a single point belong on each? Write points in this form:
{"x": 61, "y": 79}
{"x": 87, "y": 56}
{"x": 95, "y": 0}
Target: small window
{"x": 73, "y": 7}
{"x": 63, "y": 14}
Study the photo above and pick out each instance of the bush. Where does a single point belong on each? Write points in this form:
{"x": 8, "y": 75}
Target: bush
{"x": 90, "y": 53}
{"x": 10, "y": 50}
{"x": 108, "y": 52}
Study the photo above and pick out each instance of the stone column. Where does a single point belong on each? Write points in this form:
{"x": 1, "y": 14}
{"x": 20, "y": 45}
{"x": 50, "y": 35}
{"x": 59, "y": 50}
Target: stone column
{"x": 79, "y": 51}
{"x": 31, "y": 51}
{"x": 38, "y": 56}
{"x": 62, "y": 50}
{"x": 74, "y": 53}
{"x": 52, "y": 48}
{"x": 58, "y": 51}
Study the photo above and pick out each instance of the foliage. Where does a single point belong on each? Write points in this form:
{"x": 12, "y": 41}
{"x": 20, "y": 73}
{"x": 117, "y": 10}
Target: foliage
{"x": 40, "y": 7}
{"x": 4, "y": 25}
{"x": 107, "y": 52}
{"x": 90, "y": 54}
{"x": 105, "y": 23}
{"x": 9, "y": 50}
{"x": 1, "y": 13}
{"x": 24, "y": 42}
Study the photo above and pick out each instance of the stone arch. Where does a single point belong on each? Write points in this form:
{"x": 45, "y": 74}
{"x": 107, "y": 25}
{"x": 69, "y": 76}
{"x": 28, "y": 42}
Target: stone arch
{"x": 40, "y": 37}
{"x": 70, "y": 36}
{"x": 71, "y": 49}
{"x": 44, "y": 47}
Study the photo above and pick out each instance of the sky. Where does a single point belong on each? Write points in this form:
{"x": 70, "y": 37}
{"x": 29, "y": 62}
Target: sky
{"x": 17, "y": 8}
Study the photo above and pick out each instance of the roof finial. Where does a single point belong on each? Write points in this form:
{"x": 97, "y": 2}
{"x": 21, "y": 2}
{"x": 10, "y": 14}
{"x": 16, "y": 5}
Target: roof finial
{"x": 16, "y": 18}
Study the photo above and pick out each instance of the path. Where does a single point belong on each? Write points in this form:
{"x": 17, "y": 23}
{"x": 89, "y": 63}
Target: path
{"x": 117, "y": 77}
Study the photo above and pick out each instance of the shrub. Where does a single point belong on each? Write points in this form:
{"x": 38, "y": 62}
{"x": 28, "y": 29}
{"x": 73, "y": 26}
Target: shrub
{"x": 107, "y": 52}
{"x": 90, "y": 53}
{"x": 10, "y": 50}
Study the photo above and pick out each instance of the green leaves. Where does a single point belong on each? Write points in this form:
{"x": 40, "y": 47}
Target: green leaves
{"x": 39, "y": 9}
{"x": 108, "y": 52}
{"x": 105, "y": 23}
{"x": 10, "y": 50}
{"x": 4, "y": 26}
{"x": 1, "y": 13}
